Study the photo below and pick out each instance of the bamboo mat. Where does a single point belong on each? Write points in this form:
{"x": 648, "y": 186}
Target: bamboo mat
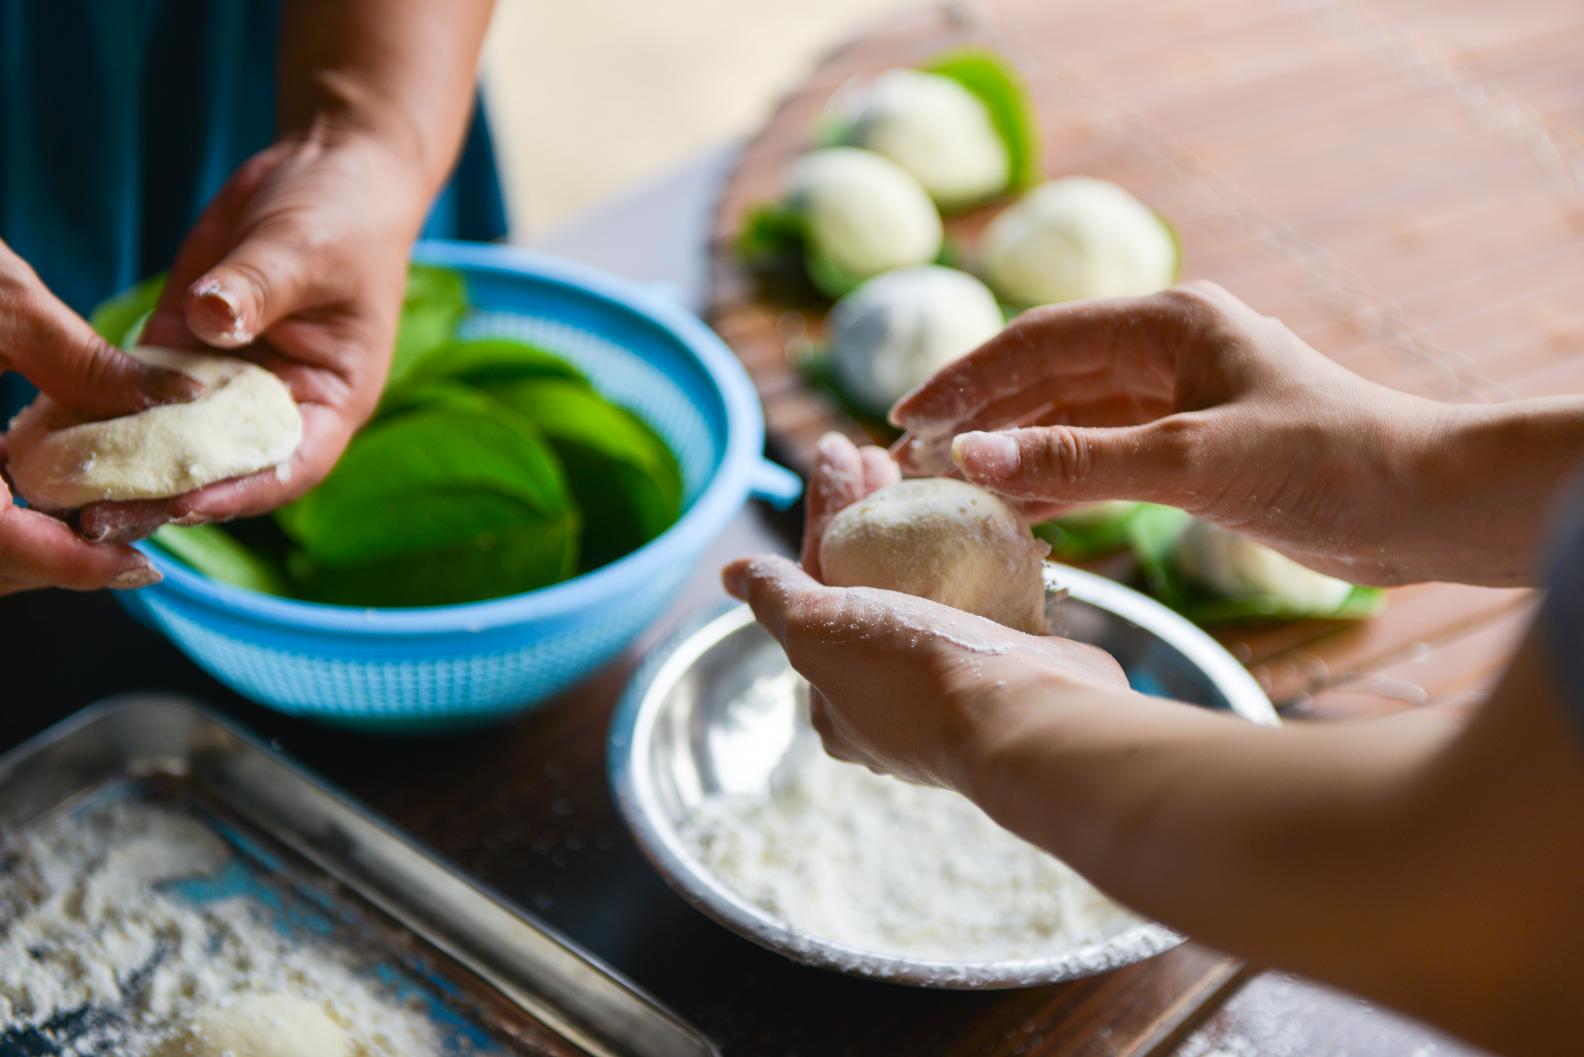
{"x": 1400, "y": 181}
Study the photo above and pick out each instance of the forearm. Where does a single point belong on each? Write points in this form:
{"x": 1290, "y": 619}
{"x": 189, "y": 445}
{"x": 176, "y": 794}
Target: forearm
{"x": 1357, "y": 854}
{"x": 400, "y": 72}
{"x": 1485, "y": 487}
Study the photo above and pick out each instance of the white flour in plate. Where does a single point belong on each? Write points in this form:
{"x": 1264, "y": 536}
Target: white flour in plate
{"x": 889, "y": 868}
{"x": 88, "y": 924}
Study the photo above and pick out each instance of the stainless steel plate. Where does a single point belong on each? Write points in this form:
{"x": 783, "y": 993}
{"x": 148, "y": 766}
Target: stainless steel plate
{"x": 526, "y": 988}
{"x": 689, "y": 730}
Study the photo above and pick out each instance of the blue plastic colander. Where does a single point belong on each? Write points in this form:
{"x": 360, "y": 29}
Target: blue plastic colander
{"x": 425, "y": 668}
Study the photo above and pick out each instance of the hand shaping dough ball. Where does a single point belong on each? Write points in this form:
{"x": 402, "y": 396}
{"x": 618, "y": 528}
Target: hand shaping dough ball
{"x": 899, "y": 328}
{"x": 1235, "y": 566}
{"x": 245, "y": 421}
{"x": 945, "y": 540}
{"x": 260, "y": 1025}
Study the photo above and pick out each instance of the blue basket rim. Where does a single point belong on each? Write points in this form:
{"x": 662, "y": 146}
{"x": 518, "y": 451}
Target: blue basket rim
{"x": 707, "y": 514}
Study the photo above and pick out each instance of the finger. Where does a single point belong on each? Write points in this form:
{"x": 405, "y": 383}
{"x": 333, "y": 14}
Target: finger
{"x": 1156, "y": 462}
{"x": 836, "y": 481}
{"x": 1123, "y": 336}
{"x": 39, "y": 550}
{"x": 821, "y": 717}
{"x": 206, "y": 244}
{"x": 267, "y": 276}
{"x": 56, "y": 350}
{"x": 880, "y": 470}
{"x": 124, "y": 521}
{"x": 768, "y": 584}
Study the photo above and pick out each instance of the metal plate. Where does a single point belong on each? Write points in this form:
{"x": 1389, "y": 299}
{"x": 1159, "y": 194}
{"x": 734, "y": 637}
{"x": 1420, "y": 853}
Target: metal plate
{"x": 689, "y": 730}
{"x": 527, "y": 988}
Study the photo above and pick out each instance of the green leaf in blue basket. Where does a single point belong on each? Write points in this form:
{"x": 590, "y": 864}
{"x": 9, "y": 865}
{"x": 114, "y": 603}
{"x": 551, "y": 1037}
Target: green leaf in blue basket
{"x": 436, "y": 479}
{"x": 998, "y": 86}
{"x": 433, "y": 307}
{"x": 1153, "y": 532}
{"x": 507, "y": 548}
{"x": 214, "y": 552}
{"x": 623, "y": 476}
{"x": 480, "y": 361}
{"x": 120, "y": 319}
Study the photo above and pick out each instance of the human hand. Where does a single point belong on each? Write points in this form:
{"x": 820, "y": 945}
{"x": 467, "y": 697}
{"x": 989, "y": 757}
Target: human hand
{"x": 1192, "y": 399}
{"x": 299, "y": 264}
{"x": 843, "y": 474}
{"x": 909, "y": 687}
{"x": 55, "y": 349}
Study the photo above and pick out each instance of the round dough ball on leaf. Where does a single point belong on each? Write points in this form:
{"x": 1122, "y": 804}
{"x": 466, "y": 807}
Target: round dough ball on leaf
{"x": 1234, "y": 566}
{"x": 245, "y": 421}
{"x": 1078, "y": 238}
{"x": 260, "y": 1025}
{"x": 945, "y": 540}
{"x": 937, "y": 130}
{"x": 898, "y": 329}
{"x": 863, "y": 213}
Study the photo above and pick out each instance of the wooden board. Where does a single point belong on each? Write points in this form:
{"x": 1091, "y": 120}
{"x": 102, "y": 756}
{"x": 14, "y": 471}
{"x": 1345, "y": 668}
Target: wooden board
{"x": 1401, "y": 181}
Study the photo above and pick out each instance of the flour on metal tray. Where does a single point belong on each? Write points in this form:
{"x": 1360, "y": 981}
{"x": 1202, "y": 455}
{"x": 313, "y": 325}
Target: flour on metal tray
{"x": 98, "y": 955}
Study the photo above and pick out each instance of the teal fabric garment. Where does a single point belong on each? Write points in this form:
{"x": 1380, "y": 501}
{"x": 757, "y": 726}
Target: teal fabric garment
{"x": 120, "y": 118}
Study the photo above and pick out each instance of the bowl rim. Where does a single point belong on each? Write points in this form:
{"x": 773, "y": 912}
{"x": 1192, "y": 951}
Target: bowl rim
{"x": 631, "y": 780}
{"x": 714, "y": 504}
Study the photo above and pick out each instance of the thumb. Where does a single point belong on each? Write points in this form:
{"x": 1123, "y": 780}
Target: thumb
{"x": 55, "y": 349}
{"x": 1153, "y": 462}
{"x": 262, "y": 280}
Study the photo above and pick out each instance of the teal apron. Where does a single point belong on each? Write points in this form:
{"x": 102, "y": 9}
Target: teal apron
{"x": 119, "y": 119}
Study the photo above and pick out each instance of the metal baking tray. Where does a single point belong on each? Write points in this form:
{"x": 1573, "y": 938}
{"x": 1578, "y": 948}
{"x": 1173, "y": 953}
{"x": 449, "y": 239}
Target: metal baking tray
{"x": 515, "y": 982}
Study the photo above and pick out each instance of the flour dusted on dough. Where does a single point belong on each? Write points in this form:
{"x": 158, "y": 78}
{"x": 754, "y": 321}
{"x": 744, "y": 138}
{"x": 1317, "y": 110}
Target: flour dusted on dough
{"x": 945, "y": 540}
{"x": 245, "y": 421}
{"x": 876, "y": 864}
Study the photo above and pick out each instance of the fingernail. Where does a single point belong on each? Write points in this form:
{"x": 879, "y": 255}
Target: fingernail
{"x": 216, "y": 316}
{"x": 164, "y": 386}
{"x": 735, "y": 579}
{"x": 986, "y": 456}
{"x": 142, "y": 576}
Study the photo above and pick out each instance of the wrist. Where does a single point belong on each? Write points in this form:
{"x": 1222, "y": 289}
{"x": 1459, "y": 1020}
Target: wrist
{"x": 1487, "y": 476}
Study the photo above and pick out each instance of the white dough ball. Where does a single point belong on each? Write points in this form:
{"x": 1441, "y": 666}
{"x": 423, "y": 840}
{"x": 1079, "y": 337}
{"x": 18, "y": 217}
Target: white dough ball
{"x": 863, "y": 212}
{"x": 1235, "y": 566}
{"x": 898, "y": 329}
{"x": 1077, "y": 238}
{"x": 260, "y": 1025}
{"x": 945, "y": 540}
{"x": 935, "y": 129}
{"x": 245, "y": 421}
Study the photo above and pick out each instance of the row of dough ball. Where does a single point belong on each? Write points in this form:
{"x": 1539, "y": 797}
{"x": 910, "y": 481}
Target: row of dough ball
{"x": 915, "y": 141}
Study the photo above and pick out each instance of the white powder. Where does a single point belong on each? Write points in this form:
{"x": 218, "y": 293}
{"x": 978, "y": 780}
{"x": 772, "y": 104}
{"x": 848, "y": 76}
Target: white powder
{"x": 99, "y": 956}
{"x": 889, "y": 868}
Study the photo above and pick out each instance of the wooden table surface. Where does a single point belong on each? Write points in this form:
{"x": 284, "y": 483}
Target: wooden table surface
{"x": 1438, "y": 250}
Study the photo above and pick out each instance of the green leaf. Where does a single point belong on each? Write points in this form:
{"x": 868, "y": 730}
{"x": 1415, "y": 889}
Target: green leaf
{"x": 120, "y": 319}
{"x": 1154, "y": 530}
{"x": 828, "y": 277}
{"x": 432, "y": 478}
{"x": 214, "y": 552}
{"x": 1086, "y": 534}
{"x": 622, "y": 475}
{"x": 998, "y": 86}
{"x": 521, "y": 554}
{"x": 481, "y": 361}
{"x": 433, "y": 307}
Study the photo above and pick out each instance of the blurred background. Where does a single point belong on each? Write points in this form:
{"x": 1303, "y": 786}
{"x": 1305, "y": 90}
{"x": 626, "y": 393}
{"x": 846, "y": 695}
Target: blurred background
{"x": 591, "y": 98}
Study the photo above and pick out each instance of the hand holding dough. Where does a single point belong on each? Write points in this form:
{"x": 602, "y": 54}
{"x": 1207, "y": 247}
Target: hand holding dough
{"x": 945, "y": 540}
{"x": 245, "y": 421}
